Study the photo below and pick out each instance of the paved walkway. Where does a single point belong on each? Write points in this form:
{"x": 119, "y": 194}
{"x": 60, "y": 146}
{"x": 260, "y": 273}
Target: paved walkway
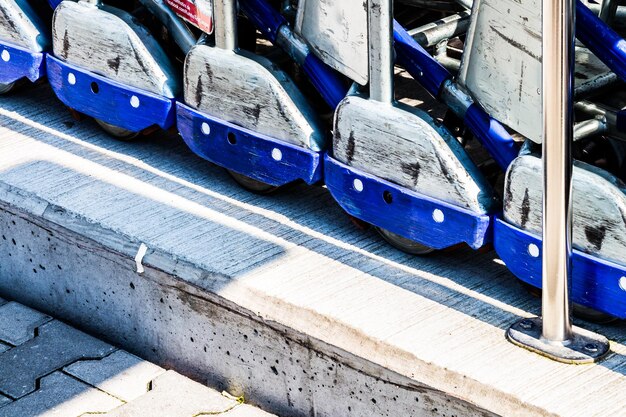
{"x": 50, "y": 369}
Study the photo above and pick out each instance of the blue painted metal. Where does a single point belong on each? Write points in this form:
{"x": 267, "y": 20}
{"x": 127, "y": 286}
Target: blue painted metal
{"x": 54, "y": 3}
{"x": 492, "y": 135}
{"x": 17, "y": 63}
{"x": 249, "y": 153}
{"x": 107, "y": 100}
{"x": 264, "y": 17}
{"x": 331, "y": 86}
{"x": 595, "y": 282}
{"x": 419, "y": 63}
{"x": 603, "y": 41}
{"x": 432, "y": 75}
{"x": 328, "y": 83}
{"x": 403, "y": 211}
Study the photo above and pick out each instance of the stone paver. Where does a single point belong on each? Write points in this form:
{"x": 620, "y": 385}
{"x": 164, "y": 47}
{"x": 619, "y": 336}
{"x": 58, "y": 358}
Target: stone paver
{"x": 120, "y": 374}
{"x": 56, "y": 346}
{"x": 62, "y": 372}
{"x": 173, "y": 395}
{"x": 18, "y": 323}
{"x": 60, "y": 395}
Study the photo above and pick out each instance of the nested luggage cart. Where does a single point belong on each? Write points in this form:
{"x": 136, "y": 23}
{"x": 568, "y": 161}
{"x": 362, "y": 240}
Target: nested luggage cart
{"x": 278, "y": 92}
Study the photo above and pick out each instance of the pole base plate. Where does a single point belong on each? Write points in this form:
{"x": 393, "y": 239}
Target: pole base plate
{"x": 584, "y": 347}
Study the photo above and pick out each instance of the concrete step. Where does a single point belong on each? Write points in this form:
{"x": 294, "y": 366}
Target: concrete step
{"x": 278, "y": 298}
{"x": 49, "y": 369}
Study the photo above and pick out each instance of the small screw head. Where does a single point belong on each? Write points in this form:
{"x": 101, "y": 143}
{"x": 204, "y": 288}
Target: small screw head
{"x": 526, "y": 324}
{"x": 591, "y": 348}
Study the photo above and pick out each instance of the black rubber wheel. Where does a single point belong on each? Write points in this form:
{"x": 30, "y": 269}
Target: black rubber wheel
{"x": 581, "y": 312}
{"x": 594, "y": 316}
{"x": 252, "y": 185}
{"x": 117, "y": 132}
{"x": 5, "y": 88}
{"x": 405, "y": 245}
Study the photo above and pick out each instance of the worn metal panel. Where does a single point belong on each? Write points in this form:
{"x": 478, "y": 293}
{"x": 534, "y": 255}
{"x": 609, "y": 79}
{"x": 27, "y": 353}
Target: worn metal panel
{"x": 20, "y": 26}
{"x": 599, "y": 206}
{"x": 110, "y": 42}
{"x": 337, "y": 33}
{"x": 404, "y": 146}
{"x": 252, "y": 92}
{"x": 502, "y": 63}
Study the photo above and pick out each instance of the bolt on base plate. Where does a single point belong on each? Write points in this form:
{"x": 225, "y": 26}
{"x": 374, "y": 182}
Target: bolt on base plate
{"x": 585, "y": 347}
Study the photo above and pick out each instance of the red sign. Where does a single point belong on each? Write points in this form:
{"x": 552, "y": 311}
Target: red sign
{"x": 197, "y": 12}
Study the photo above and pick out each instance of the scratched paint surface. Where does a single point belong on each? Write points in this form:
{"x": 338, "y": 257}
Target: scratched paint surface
{"x": 502, "y": 64}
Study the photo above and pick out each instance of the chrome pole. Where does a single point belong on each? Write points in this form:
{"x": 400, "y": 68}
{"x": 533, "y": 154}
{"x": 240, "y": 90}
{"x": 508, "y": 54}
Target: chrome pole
{"x": 552, "y": 335}
{"x": 226, "y": 24}
{"x": 558, "y": 133}
{"x": 381, "y": 52}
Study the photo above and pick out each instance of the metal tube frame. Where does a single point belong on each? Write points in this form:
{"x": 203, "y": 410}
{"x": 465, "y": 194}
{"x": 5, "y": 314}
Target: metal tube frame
{"x": 552, "y": 335}
{"x": 226, "y": 24}
{"x": 181, "y": 34}
{"x": 608, "y": 11}
{"x": 432, "y": 33}
{"x": 381, "y": 52}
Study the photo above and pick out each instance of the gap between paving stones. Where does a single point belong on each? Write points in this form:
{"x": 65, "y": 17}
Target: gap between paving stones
{"x": 29, "y": 334}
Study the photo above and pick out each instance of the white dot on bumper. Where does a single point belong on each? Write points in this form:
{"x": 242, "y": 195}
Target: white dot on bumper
{"x": 206, "y": 129}
{"x": 71, "y": 78}
{"x": 438, "y": 216}
{"x": 533, "y": 250}
{"x": 277, "y": 154}
{"x": 6, "y": 56}
{"x": 622, "y": 283}
{"x": 358, "y": 185}
{"x": 134, "y": 101}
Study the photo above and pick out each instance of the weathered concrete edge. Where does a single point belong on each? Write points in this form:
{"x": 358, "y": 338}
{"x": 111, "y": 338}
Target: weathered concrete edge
{"x": 184, "y": 276}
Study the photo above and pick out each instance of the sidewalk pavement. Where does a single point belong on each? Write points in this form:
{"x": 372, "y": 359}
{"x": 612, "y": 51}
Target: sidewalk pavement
{"x": 49, "y": 369}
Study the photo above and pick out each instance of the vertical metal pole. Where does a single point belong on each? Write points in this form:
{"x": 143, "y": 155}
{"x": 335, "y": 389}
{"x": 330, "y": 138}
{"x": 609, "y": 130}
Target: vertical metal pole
{"x": 226, "y": 24}
{"x": 558, "y": 61}
{"x": 552, "y": 335}
{"x": 381, "y": 52}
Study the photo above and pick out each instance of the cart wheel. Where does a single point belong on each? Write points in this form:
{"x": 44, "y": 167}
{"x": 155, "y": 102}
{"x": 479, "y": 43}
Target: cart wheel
{"x": 117, "y": 132}
{"x": 405, "y": 245}
{"x": 594, "y": 316}
{"x": 579, "y": 311}
{"x": 252, "y": 185}
{"x": 5, "y": 88}
{"x": 530, "y": 289}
